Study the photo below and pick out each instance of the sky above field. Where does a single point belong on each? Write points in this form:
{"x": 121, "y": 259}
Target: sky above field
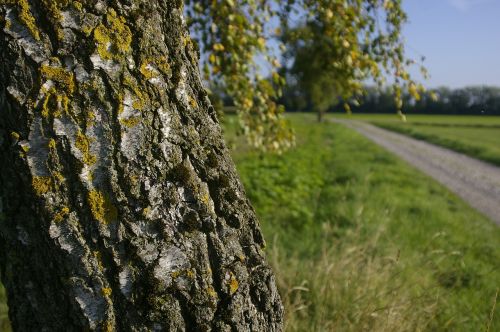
{"x": 459, "y": 38}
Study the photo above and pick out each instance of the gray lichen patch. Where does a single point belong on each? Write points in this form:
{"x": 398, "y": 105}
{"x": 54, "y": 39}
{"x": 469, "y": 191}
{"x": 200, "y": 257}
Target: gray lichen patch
{"x": 109, "y": 66}
{"x": 38, "y": 151}
{"x": 16, "y": 94}
{"x": 170, "y": 264}
{"x": 91, "y": 302}
{"x": 182, "y": 92}
{"x": 147, "y": 250}
{"x": 81, "y": 75}
{"x": 132, "y": 141}
{"x": 23, "y": 37}
{"x": 70, "y": 19}
{"x": 100, "y": 146}
{"x": 166, "y": 127}
{"x": 125, "y": 279}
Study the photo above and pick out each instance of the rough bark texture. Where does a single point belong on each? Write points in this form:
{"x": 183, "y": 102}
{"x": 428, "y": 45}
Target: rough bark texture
{"x": 120, "y": 208}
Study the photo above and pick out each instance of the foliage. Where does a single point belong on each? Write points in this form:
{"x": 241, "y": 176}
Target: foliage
{"x": 230, "y": 35}
{"x": 349, "y": 40}
{"x": 342, "y": 43}
{"x": 359, "y": 241}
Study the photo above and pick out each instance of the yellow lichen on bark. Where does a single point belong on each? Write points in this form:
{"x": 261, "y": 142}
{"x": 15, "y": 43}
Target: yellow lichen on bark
{"x": 59, "y": 216}
{"x": 82, "y": 143}
{"x": 152, "y": 67}
{"x": 233, "y": 284}
{"x": 53, "y": 8}
{"x": 25, "y": 16}
{"x": 211, "y": 292}
{"x": 113, "y": 39}
{"x": 106, "y": 291}
{"x": 15, "y": 136}
{"x": 52, "y": 144}
{"x": 147, "y": 71}
{"x": 141, "y": 98}
{"x": 41, "y": 184}
{"x": 64, "y": 79}
{"x": 101, "y": 207}
{"x": 57, "y": 97}
{"x": 130, "y": 122}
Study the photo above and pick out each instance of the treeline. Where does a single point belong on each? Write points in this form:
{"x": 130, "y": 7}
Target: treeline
{"x": 469, "y": 100}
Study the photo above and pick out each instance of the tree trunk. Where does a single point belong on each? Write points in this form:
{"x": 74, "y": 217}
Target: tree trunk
{"x": 320, "y": 116}
{"x": 120, "y": 208}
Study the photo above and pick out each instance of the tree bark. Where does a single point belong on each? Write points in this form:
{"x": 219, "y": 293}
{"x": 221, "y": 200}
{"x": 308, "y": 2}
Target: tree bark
{"x": 120, "y": 208}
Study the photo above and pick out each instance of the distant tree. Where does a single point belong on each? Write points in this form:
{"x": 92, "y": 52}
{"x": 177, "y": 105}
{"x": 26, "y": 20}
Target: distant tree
{"x": 478, "y": 100}
{"x": 339, "y": 44}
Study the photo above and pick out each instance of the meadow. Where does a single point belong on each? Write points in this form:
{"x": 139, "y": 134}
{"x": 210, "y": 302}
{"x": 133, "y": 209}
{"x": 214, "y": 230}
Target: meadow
{"x": 476, "y": 136}
{"x": 361, "y": 241}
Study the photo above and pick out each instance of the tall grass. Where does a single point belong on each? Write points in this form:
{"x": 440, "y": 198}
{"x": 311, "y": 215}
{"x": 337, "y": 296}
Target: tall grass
{"x": 348, "y": 288}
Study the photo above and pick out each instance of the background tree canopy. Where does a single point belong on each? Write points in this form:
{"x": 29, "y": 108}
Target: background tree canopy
{"x": 473, "y": 100}
{"x": 329, "y": 48}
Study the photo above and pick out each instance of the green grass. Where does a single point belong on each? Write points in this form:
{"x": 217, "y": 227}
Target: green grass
{"x": 476, "y": 136}
{"x": 361, "y": 241}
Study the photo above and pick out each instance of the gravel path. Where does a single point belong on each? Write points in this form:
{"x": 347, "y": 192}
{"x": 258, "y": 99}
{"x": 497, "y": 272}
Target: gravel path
{"x": 476, "y": 182}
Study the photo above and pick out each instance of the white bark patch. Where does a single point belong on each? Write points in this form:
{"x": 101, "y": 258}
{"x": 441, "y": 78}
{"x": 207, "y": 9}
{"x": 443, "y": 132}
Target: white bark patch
{"x": 38, "y": 152}
{"x": 156, "y": 77}
{"x": 148, "y": 252}
{"x": 46, "y": 86}
{"x": 18, "y": 95}
{"x": 125, "y": 279}
{"x": 171, "y": 260}
{"x": 70, "y": 20}
{"x": 130, "y": 63}
{"x": 180, "y": 13}
{"x": 132, "y": 140}
{"x": 165, "y": 120}
{"x": 34, "y": 49}
{"x": 155, "y": 196}
{"x": 86, "y": 176}
{"x": 81, "y": 74}
{"x": 56, "y": 232}
{"x": 128, "y": 108}
{"x": 181, "y": 92}
{"x": 109, "y": 66}
{"x": 64, "y": 127}
{"x": 93, "y": 305}
{"x": 100, "y": 6}
{"x": 100, "y": 147}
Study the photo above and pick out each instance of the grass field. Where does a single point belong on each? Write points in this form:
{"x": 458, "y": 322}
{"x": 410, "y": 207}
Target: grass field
{"x": 476, "y": 136}
{"x": 360, "y": 241}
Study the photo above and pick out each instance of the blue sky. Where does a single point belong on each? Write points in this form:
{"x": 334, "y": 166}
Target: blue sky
{"x": 460, "y": 39}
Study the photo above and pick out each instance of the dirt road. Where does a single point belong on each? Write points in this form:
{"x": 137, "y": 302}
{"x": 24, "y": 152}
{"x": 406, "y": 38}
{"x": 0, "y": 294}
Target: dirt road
{"x": 476, "y": 182}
